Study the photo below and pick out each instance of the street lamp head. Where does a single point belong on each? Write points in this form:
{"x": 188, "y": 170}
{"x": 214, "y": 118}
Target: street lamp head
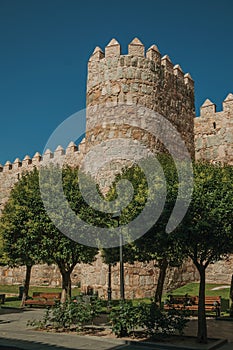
{"x": 116, "y": 216}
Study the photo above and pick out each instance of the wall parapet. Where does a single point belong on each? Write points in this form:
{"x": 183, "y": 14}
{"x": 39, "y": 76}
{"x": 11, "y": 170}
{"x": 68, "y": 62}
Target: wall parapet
{"x": 45, "y": 158}
{"x": 213, "y": 132}
{"x": 134, "y": 58}
{"x": 208, "y": 108}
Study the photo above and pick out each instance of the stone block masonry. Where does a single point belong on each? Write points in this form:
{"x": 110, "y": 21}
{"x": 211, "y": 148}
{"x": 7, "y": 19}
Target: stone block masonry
{"x": 142, "y": 78}
{"x": 213, "y": 132}
{"x": 10, "y": 173}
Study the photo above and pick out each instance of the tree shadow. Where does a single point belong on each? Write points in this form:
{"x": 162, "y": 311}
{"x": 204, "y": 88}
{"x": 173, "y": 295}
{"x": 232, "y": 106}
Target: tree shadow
{"x": 18, "y": 344}
{"x": 10, "y": 310}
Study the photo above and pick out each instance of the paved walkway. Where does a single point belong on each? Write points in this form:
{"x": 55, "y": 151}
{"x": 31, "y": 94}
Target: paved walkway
{"x": 14, "y": 333}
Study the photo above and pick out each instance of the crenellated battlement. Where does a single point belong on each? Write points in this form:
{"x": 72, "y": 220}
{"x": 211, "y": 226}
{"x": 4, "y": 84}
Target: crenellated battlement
{"x": 10, "y": 173}
{"x": 208, "y": 109}
{"x": 136, "y": 59}
{"x": 144, "y": 78}
{"x": 214, "y": 131}
{"x": 60, "y": 155}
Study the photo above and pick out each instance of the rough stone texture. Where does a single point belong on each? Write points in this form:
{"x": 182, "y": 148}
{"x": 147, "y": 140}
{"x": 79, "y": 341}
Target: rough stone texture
{"x": 154, "y": 83}
{"x": 134, "y": 79}
{"x": 214, "y": 132}
{"x": 140, "y": 278}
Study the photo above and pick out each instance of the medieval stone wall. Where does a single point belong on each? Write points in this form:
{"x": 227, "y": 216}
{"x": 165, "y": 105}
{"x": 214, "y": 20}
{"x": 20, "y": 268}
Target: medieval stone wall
{"x": 214, "y": 132}
{"x": 151, "y": 81}
{"x": 140, "y": 278}
{"x": 10, "y": 173}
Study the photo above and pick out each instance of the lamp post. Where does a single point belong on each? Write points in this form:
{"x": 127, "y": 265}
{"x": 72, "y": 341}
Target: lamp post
{"x": 109, "y": 284}
{"x": 122, "y": 282}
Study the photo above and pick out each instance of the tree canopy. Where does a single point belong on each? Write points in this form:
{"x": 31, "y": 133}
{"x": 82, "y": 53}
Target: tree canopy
{"x": 30, "y": 237}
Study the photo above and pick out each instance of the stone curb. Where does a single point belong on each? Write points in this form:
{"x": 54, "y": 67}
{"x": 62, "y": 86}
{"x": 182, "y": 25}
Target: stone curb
{"x": 219, "y": 343}
{"x": 168, "y": 346}
{"x": 118, "y": 342}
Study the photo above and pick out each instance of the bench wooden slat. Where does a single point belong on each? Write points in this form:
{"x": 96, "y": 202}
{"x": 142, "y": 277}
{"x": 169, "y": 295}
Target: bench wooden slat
{"x": 43, "y": 298}
{"x": 212, "y": 303}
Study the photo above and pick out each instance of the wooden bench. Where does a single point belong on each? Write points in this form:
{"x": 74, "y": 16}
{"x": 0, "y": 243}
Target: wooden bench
{"x": 43, "y": 299}
{"x": 212, "y": 303}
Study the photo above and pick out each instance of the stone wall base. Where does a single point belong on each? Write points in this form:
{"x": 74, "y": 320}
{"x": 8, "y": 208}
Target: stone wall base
{"x": 140, "y": 278}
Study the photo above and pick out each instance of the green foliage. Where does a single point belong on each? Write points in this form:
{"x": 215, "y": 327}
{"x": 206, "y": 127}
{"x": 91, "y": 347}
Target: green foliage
{"x": 28, "y": 234}
{"x": 20, "y": 228}
{"x": 206, "y": 232}
{"x": 127, "y": 318}
{"x": 138, "y": 181}
{"x": 70, "y": 315}
{"x": 124, "y": 319}
{"x": 65, "y": 252}
{"x": 156, "y": 243}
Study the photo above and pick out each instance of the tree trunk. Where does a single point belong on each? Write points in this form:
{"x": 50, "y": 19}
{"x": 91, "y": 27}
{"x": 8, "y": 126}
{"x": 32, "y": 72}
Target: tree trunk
{"x": 26, "y": 285}
{"x": 161, "y": 279}
{"x": 231, "y": 297}
{"x": 202, "y": 326}
{"x": 109, "y": 284}
{"x": 66, "y": 285}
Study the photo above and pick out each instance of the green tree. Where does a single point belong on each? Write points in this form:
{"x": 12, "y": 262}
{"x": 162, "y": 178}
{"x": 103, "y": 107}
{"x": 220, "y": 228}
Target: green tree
{"x": 57, "y": 247}
{"x": 156, "y": 244}
{"x": 206, "y": 233}
{"x": 137, "y": 179}
{"x": 20, "y": 228}
{"x": 30, "y": 236}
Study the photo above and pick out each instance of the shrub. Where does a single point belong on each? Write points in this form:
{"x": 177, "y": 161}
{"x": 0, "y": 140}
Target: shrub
{"x": 150, "y": 317}
{"x": 71, "y": 314}
{"x": 124, "y": 319}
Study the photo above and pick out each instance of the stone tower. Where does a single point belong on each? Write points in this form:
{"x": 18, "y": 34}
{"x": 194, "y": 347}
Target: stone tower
{"x": 138, "y": 78}
{"x": 214, "y": 132}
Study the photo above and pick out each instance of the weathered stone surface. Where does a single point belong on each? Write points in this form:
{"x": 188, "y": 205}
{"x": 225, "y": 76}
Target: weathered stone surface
{"x": 213, "y": 132}
{"x": 113, "y": 49}
{"x": 136, "y": 48}
{"x": 140, "y": 278}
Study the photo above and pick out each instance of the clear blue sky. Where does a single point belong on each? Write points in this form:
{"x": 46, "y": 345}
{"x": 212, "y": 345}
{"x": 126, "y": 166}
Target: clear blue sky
{"x": 45, "y": 45}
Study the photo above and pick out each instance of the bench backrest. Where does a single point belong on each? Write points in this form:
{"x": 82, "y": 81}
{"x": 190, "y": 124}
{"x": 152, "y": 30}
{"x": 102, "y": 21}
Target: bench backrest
{"x": 213, "y": 299}
{"x": 47, "y": 295}
{"x": 182, "y": 299}
{"x": 209, "y": 300}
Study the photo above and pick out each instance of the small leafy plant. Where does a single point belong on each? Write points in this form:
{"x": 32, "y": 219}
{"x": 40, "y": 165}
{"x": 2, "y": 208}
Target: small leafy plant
{"x": 124, "y": 319}
{"x": 155, "y": 321}
{"x": 70, "y": 315}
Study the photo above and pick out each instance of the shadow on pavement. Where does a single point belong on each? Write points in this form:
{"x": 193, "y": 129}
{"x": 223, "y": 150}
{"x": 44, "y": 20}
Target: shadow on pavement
{"x": 8, "y": 344}
{"x": 5, "y": 310}
{"x": 17, "y": 344}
